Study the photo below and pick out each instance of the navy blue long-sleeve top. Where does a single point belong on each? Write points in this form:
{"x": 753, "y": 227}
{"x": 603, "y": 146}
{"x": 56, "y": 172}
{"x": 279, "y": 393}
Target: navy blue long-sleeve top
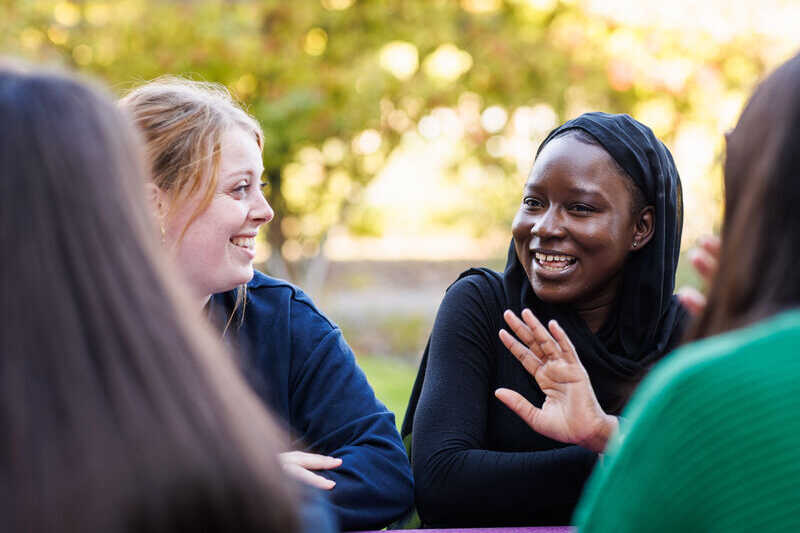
{"x": 305, "y": 371}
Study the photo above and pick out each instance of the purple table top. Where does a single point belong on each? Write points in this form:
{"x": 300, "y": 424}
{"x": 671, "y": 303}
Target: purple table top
{"x": 545, "y": 529}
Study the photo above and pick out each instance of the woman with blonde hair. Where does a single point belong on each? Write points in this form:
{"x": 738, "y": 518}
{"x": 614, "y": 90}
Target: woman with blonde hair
{"x": 120, "y": 411}
{"x": 205, "y": 157}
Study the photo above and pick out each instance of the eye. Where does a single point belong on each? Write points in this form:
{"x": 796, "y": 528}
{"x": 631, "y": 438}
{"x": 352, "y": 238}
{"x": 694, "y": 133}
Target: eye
{"x": 240, "y": 190}
{"x": 531, "y": 202}
{"x": 582, "y": 208}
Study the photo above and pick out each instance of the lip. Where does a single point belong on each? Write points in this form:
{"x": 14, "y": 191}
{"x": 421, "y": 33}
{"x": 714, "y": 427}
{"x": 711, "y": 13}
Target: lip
{"x": 547, "y": 274}
{"x": 250, "y": 253}
{"x": 548, "y": 251}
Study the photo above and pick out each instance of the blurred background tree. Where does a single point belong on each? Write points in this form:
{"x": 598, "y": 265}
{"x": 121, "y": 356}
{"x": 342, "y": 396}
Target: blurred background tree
{"x": 391, "y": 122}
{"x": 340, "y": 85}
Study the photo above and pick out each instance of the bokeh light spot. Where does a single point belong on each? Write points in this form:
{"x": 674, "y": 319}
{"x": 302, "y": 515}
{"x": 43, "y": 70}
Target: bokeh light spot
{"x": 316, "y": 41}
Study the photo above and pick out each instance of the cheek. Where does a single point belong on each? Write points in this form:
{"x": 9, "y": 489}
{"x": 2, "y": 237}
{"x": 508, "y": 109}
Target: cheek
{"x": 605, "y": 235}
{"x": 201, "y": 243}
{"x": 520, "y": 226}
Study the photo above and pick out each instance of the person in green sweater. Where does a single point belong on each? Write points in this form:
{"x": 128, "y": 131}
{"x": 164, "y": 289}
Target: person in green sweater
{"x": 711, "y": 439}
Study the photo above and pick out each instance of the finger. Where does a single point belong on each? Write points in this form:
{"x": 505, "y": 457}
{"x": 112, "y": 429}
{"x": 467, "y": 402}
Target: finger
{"x": 692, "y": 299}
{"x": 518, "y": 326}
{"x": 567, "y": 349}
{"x": 704, "y": 263}
{"x": 517, "y": 403}
{"x": 548, "y": 346}
{"x": 711, "y": 244}
{"x": 308, "y": 477}
{"x": 525, "y": 356}
{"x": 311, "y": 461}
{"x": 523, "y": 332}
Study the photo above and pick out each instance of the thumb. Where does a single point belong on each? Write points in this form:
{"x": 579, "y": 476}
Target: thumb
{"x": 522, "y": 407}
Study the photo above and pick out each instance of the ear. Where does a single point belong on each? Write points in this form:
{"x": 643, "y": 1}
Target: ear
{"x": 644, "y": 228}
{"x": 156, "y": 199}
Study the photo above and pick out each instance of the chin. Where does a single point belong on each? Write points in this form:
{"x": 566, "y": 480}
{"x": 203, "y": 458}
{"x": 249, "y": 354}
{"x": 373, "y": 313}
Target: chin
{"x": 241, "y": 277}
{"x": 553, "y": 295}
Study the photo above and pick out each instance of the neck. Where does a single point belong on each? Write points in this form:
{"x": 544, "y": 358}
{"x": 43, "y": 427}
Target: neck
{"x": 594, "y": 311}
{"x": 201, "y": 299}
{"x": 595, "y": 316}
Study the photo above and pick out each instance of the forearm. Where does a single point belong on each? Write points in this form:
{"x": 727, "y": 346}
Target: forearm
{"x": 340, "y": 417}
{"x": 373, "y": 487}
{"x": 486, "y": 487}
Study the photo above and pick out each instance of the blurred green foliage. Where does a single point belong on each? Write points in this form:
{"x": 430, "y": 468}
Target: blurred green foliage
{"x": 392, "y": 380}
{"x": 339, "y": 84}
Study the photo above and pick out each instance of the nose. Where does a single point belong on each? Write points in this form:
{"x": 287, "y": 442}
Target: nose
{"x": 549, "y": 225}
{"x": 261, "y": 212}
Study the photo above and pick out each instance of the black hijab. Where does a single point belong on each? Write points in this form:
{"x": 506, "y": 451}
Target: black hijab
{"x": 647, "y": 320}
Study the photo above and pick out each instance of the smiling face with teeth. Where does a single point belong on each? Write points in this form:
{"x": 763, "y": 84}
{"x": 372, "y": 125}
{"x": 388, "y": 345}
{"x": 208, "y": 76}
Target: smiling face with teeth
{"x": 215, "y": 249}
{"x": 577, "y": 224}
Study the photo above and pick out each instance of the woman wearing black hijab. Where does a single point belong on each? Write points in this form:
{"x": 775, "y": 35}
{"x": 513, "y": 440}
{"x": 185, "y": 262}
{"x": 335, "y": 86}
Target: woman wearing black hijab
{"x": 595, "y": 247}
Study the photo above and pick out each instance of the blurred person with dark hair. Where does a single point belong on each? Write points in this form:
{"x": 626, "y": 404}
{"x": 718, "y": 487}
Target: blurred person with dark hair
{"x": 595, "y": 245}
{"x": 206, "y": 163}
{"x": 711, "y": 442}
{"x": 120, "y": 411}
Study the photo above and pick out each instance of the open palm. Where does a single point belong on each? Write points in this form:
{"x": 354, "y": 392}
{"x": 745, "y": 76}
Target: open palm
{"x": 570, "y": 412}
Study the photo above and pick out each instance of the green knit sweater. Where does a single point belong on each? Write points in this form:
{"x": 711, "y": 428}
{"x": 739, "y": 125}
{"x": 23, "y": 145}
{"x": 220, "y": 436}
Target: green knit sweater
{"x": 710, "y": 441}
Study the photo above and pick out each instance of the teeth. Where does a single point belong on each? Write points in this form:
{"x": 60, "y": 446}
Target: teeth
{"x": 553, "y": 258}
{"x": 244, "y": 242}
{"x": 556, "y": 263}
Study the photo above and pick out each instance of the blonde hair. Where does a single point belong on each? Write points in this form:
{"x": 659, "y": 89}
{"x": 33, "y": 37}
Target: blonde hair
{"x": 182, "y": 122}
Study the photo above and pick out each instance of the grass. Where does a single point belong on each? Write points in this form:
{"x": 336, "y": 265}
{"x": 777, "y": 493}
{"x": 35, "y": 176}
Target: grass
{"x": 392, "y": 380}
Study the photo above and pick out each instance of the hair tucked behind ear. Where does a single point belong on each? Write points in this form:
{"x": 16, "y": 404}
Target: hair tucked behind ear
{"x": 761, "y": 228}
{"x": 120, "y": 410}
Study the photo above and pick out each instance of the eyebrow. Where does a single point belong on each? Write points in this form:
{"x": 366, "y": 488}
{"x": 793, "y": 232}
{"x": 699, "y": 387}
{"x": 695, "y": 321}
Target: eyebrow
{"x": 574, "y": 190}
{"x": 585, "y": 191}
{"x": 245, "y": 171}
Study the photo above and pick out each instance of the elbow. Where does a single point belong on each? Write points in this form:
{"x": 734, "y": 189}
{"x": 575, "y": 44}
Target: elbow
{"x": 434, "y": 494}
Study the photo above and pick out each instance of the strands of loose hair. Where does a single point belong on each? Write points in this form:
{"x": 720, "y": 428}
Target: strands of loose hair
{"x": 120, "y": 410}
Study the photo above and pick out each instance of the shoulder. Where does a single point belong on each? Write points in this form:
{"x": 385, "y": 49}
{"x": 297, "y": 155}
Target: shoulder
{"x": 265, "y": 293}
{"x": 480, "y": 287}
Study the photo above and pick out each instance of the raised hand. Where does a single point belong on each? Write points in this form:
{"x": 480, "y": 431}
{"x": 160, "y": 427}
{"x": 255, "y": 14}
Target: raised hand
{"x": 571, "y": 412}
{"x": 705, "y": 260}
{"x": 300, "y": 465}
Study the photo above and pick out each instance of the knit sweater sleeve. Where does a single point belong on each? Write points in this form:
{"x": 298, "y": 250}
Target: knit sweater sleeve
{"x": 459, "y": 481}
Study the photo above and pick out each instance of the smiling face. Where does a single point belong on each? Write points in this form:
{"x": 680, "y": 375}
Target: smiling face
{"x": 216, "y": 251}
{"x": 576, "y": 225}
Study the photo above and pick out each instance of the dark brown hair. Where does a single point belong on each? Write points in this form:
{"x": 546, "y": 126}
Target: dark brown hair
{"x": 119, "y": 410}
{"x": 758, "y": 274}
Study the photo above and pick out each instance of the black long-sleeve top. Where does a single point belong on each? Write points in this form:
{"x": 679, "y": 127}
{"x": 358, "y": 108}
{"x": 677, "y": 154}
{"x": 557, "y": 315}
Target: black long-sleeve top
{"x": 474, "y": 461}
